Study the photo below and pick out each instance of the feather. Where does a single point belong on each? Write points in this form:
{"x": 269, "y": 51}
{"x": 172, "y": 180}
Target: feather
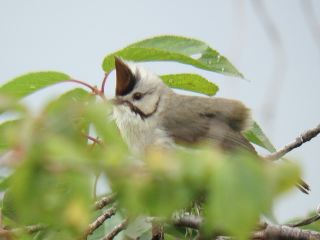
{"x": 216, "y": 119}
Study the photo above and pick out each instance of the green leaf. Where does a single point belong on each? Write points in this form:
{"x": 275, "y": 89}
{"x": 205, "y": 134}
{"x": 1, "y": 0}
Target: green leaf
{"x": 174, "y": 48}
{"x": 29, "y": 83}
{"x": 190, "y": 82}
{"x": 137, "y": 228}
{"x": 257, "y": 136}
{"x": 315, "y": 226}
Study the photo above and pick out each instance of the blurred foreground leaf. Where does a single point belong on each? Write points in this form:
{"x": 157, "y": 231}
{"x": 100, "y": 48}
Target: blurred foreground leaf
{"x": 234, "y": 189}
{"x": 55, "y": 165}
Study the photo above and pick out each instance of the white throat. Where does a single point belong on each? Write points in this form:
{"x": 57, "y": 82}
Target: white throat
{"x": 140, "y": 133}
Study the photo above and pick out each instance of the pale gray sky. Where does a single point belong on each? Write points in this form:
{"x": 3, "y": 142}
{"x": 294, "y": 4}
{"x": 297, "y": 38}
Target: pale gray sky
{"x": 73, "y": 36}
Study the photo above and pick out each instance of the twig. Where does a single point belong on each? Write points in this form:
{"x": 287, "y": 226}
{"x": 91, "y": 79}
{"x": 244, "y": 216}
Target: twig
{"x": 92, "y": 88}
{"x": 189, "y": 221}
{"x": 99, "y": 221}
{"x": 123, "y": 225}
{"x": 104, "y": 201}
{"x": 306, "y": 221}
{"x": 94, "y": 140}
{"x": 104, "y": 81}
{"x": 305, "y": 137}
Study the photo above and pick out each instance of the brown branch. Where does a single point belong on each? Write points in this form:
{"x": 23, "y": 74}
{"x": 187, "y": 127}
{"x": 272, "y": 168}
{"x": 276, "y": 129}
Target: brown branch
{"x": 305, "y": 137}
{"x": 99, "y": 221}
{"x": 117, "y": 229}
{"x": 267, "y": 232}
{"x": 104, "y": 201}
{"x": 189, "y": 221}
{"x": 93, "y": 139}
{"x": 285, "y": 232}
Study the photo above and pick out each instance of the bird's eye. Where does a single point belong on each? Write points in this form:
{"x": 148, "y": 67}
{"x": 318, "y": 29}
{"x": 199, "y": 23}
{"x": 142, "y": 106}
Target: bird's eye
{"x": 137, "y": 96}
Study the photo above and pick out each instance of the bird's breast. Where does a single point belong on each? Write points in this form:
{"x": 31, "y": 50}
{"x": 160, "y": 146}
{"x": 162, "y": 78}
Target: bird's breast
{"x": 139, "y": 133}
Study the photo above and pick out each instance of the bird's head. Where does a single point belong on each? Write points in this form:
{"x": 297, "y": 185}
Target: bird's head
{"x": 138, "y": 89}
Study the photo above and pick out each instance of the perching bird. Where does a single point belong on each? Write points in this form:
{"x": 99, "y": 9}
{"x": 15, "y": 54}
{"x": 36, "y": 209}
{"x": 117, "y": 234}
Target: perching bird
{"x": 147, "y": 112}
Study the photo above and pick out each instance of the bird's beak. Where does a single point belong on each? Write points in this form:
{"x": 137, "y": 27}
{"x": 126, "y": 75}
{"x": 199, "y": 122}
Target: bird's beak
{"x": 125, "y": 78}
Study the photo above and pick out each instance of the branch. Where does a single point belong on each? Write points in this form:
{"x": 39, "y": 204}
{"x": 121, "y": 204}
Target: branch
{"x": 189, "y": 221}
{"x": 304, "y": 137}
{"x": 104, "y": 201}
{"x": 123, "y": 225}
{"x": 93, "y": 139}
{"x": 267, "y": 232}
{"x": 94, "y": 89}
{"x": 285, "y": 232}
{"x": 99, "y": 221}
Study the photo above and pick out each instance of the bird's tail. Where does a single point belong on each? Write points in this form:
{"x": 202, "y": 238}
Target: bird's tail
{"x": 303, "y": 186}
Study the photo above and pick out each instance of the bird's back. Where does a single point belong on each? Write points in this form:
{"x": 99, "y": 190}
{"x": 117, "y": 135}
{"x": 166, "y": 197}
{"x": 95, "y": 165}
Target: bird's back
{"x": 191, "y": 119}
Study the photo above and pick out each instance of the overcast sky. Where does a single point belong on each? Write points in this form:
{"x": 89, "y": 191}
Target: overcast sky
{"x": 273, "y": 43}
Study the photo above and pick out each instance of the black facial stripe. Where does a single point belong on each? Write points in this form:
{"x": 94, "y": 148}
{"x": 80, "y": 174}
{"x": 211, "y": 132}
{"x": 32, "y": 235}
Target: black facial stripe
{"x": 138, "y": 111}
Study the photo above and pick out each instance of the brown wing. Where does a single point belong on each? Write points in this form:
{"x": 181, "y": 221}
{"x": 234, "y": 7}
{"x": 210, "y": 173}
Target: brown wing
{"x": 190, "y": 119}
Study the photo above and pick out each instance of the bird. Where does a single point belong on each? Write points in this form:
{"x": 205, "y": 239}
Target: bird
{"x": 149, "y": 113}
